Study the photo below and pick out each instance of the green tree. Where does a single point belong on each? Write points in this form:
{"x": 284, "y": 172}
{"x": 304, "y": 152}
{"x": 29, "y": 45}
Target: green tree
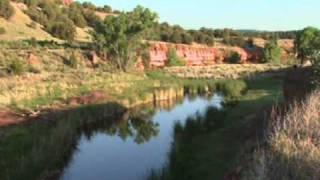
{"x": 6, "y": 10}
{"x": 120, "y": 37}
{"x": 271, "y": 52}
{"x": 306, "y": 41}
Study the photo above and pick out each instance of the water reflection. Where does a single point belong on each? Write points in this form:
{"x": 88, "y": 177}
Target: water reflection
{"x": 131, "y": 147}
{"x": 96, "y": 142}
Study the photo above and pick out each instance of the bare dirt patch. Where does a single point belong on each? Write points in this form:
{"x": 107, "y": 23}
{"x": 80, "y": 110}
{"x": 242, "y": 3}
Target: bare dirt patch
{"x": 8, "y": 117}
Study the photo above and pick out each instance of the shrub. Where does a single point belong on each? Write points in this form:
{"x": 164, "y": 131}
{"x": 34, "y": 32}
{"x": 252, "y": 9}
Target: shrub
{"x": 173, "y": 59}
{"x": 271, "y": 52}
{"x": 6, "y": 10}
{"x": 16, "y": 67}
{"x": 63, "y": 29}
{"x": 2, "y": 30}
{"x": 234, "y": 58}
{"x": 233, "y": 88}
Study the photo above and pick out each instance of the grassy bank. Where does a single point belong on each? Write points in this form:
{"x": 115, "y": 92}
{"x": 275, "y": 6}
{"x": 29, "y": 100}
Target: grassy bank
{"x": 292, "y": 144}
{"x": 207, "y": 147}
{"x": 50, "y": 89}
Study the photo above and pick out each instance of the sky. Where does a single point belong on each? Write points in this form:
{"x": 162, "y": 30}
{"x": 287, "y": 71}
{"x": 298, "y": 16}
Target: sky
{"x": 236, "y": 14}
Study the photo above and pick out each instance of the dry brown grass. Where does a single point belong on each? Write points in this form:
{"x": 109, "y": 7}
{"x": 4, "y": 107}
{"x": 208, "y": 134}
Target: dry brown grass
{"x": 222, "y": 71}
{"x": 293, "y": 146}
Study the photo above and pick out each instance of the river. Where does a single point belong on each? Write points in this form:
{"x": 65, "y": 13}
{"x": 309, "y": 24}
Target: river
{"x": 125, "y": 155}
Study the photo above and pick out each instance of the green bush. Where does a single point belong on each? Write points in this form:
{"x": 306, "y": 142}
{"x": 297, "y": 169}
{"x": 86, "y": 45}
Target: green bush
{"x": 63, "y": 29}
{"x": 16, "y": 67}
{"x": 234, "y": 58}
{"x": 173, "y": 59}
{"x": 2, "y": 30}
{"x": 233, "y": 88}
{"x": 271, "y": 53}
{"x": 6, "y": 10}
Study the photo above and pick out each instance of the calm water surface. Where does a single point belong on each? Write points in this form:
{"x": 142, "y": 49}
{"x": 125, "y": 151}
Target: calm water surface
{"x": 130, "y": 150}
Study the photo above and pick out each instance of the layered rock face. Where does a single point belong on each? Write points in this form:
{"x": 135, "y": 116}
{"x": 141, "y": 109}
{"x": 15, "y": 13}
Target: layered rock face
{"x": 194, "y": 55}
{"x": 199, "y": 55}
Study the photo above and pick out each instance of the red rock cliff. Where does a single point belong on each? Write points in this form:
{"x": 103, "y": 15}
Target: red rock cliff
{"x": 194, "y": 55}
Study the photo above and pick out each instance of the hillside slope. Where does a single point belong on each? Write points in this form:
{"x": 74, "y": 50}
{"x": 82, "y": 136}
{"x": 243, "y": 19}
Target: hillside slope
{"x": 18, "y": 28}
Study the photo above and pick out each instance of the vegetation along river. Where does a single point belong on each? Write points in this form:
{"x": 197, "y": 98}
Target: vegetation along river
{"x": 191, "y": 137}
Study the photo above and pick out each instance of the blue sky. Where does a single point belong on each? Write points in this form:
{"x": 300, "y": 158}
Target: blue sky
{"x": 236, "y": 14}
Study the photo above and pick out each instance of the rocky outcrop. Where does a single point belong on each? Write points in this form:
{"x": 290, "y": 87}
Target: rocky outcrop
{"x": 66, "y": 2}
{"x": 200, "y": 55}
{"x": 193, "y": 55}
{"x": 197, "y": 55}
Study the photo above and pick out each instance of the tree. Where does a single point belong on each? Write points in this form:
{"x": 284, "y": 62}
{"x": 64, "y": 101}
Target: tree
{"x": 306, "y": 41}
{"x": 6, "y": 10}
{"x": 120, "y": 37}
{"x": 271, "y": 52}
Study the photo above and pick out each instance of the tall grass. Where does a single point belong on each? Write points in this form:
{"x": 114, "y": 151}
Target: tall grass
{"x": 293, "y": 144}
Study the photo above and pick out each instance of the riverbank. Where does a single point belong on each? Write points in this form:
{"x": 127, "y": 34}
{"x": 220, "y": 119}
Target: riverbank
{"x": 289, "y": 147}
{"x": 61, "y": 90}
{"x": 27, "y": 148}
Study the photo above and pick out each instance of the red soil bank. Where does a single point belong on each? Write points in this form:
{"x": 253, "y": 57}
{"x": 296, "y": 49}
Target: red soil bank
{"x": 8, "y": 117}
